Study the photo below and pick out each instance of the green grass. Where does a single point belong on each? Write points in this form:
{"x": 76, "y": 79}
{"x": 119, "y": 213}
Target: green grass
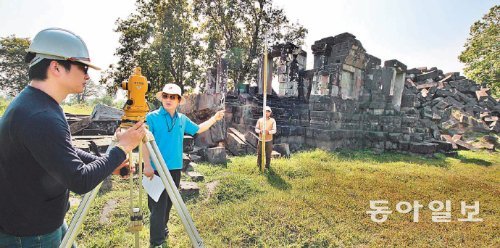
{"x": 320, "y": 199}
{"x": 78, "y": 109}
{"x": 81, "y": 109}
{"x": 3, "y": 105}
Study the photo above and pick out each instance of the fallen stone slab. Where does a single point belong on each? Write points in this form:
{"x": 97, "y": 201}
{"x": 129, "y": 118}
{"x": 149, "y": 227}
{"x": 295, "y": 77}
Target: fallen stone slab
{"x": 426, "y": 85}
{"x": 464, "y": 145}
{"x": 428, "y": 75}
{"x": 78, "y": 126}
{"x": 103, "y": 112}
{"x": 275, "y": 154}
{"x": 196, "y": 158}
{"x": 464, "y": 86}
{"x": 189, "y": 188}
{"x": 422, "y": 148}
{"x": 252, "y": 138}
{"x": 483, "y": 145}
{"x": 450, "y": 140}
{"x": 451, "y": 101}
{"x": 188, "y": 143}
{"x": 195, "y": 176}
{"x": 447, "y": 78}
{"x": 235, "y": 145}
{"x": 216, "y": 155}
{"x": 283, "y": 149}
{"x": 185, "y": 161}
{"x": 83, "y": 142}
{"x": 481, "y": 95}
{"x": 410, "y": 83}
{"x": 443, "y": 146}
{"x": 424, "y": 92}
{"x": 495, "y": 126}
{"x": 443, "y": 93}
{"x": 490, "y": 118}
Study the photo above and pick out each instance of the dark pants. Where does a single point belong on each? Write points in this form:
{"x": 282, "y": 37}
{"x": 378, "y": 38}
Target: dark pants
{"x": 48, "y": 240}
{"x": 269, "y": 150}
{"x": 158, "y": 230}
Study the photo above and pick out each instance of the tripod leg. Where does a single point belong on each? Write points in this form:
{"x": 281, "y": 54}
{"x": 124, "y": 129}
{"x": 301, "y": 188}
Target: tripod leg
{"x": 174, "y": 195}
{"x": 177, "y": 195}
{"x": 80, "y": 214}
{"x": 175, "y": 191}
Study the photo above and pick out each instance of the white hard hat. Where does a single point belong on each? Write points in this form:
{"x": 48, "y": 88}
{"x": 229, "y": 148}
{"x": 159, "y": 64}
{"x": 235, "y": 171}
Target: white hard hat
{"x": 172, "y": 89}
{"x": 268, "y": 109}
{"x": 59, "y": 44}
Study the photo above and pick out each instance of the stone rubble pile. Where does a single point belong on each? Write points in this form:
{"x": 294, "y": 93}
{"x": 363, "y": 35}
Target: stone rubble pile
{"x": 451, "y": 105}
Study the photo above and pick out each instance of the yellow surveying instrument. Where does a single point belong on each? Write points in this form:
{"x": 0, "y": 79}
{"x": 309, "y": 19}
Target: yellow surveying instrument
{"x": 136, "y": 109}
{"x": 136, "y": 106}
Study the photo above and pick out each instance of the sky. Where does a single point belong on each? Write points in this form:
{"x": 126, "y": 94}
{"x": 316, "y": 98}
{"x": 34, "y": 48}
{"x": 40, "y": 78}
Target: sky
{"x": 416, "y": 32}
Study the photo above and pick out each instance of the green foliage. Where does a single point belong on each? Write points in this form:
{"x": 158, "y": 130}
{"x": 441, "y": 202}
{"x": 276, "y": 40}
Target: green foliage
{"x": 3, "y": 105}
{"x": 482, "y": 51}
{"x": 160, "y": 38}
{"x": 237, "y": 31}
{"x": 91, "y": 89}
{"x": 86, "y": 108}
{"x": 14, "y": 71}
{"x": 106, "y": 100}
{"x": 173, "y": 40}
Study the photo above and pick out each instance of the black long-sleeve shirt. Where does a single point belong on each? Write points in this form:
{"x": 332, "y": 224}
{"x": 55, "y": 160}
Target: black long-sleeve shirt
{"x": 38, "y": 165}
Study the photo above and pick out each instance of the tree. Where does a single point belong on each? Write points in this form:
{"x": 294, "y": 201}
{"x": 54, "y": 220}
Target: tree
{"x": 13, "y": 69}
{"x": 482, "y": 51}
{"x": 91, "y": 89}
{"x": 237, "y": 30}
{"x": 160, "y": 38}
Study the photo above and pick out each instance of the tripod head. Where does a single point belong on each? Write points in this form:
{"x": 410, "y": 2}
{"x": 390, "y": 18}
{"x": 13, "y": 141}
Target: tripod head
{"x": 136, "y": 106}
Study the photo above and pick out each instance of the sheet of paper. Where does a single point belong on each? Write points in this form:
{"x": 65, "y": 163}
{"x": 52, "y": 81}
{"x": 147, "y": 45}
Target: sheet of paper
{"x": 153, "y": 187}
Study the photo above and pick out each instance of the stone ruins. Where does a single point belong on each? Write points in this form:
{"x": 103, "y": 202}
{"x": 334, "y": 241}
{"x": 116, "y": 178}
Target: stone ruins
{"x": 350, "y": 100}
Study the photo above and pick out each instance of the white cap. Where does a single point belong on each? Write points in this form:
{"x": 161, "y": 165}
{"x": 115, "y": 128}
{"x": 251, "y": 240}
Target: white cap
{"x": 267, "y": 108}
{"x": 172, "y": 89}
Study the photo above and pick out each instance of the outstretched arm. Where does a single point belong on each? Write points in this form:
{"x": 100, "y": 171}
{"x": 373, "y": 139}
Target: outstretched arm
{"x": 210, "y": 122}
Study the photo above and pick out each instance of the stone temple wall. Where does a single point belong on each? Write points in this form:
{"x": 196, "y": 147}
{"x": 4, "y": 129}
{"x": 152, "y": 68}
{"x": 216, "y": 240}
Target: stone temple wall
{"x": 349, "y": 100}
{"x": 331, "y": 123}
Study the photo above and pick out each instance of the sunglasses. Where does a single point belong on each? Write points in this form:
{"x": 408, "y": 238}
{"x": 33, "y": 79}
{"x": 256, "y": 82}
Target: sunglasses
{"x": 172, "y": 97}
{"x": 83, "y": 67}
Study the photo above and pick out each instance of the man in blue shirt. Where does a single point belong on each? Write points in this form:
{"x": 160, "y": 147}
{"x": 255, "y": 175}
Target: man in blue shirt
{"x": 168, "y": 127}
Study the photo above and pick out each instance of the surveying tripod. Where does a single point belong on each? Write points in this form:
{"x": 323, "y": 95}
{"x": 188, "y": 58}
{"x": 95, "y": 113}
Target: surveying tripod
{"x": 135, "y": 110}
{"x": 136, "y": 216}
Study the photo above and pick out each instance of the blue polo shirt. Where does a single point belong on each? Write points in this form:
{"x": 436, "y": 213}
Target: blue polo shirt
{"x": 169, "y": 135}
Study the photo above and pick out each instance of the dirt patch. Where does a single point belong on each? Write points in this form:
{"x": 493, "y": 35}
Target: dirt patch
{"x": 211, "y": 188}
{"x": 108, "y": 208}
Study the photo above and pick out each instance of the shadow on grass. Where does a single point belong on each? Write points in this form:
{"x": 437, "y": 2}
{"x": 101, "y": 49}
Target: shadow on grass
{"x": 475, "y": 161}
{"x": 388, "y": 157}
{"x": 276, "y": 181}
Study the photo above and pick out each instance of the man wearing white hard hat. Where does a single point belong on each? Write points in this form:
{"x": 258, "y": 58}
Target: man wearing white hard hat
{"x": 168, "y": 127}
{"x": 38, "y": 163}
{"x": 269, "y": 129}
